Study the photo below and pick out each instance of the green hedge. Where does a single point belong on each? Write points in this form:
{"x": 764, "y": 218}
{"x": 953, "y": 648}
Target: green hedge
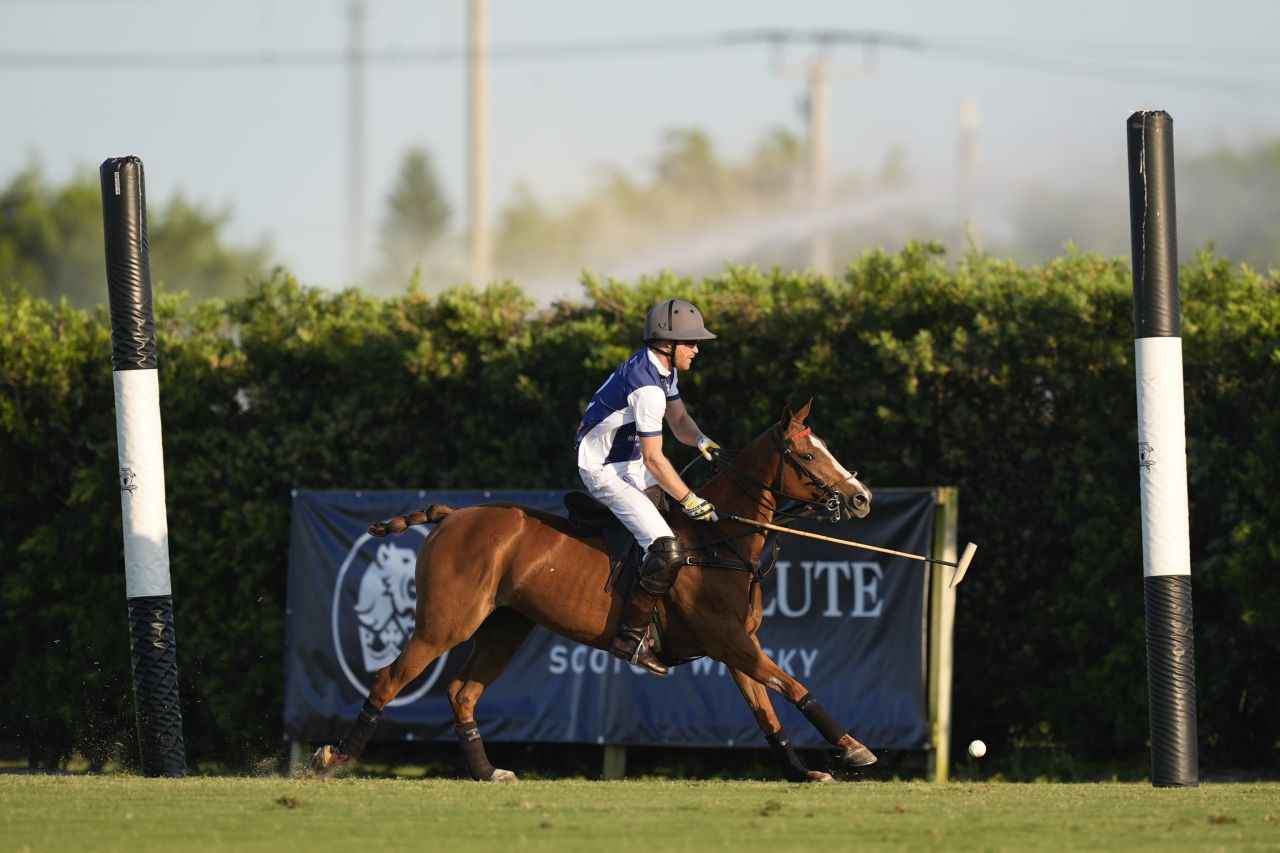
{"x": 1015, "y": 384}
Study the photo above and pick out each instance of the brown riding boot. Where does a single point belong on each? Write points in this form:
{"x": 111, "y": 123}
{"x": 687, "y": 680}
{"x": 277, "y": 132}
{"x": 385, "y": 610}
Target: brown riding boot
{"x": 631, "y": 643}
{"x": 661, "y": 564}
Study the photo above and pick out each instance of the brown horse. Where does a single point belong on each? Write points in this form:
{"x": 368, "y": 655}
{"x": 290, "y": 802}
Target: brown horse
{"x": 494, "y": 571}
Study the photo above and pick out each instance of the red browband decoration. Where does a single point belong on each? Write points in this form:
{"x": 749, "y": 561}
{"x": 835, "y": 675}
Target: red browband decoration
{"x": 801, "y": 434}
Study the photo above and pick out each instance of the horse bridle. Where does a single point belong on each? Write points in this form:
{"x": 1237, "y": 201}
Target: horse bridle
{"x": 835, "y": 503}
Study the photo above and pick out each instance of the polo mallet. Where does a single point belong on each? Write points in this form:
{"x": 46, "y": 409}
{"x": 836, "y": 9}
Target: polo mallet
{"x": 960, "y": 568}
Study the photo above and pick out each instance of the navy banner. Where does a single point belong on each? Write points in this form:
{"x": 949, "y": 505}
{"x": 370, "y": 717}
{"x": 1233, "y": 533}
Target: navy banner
{"x": 848, "y": 624}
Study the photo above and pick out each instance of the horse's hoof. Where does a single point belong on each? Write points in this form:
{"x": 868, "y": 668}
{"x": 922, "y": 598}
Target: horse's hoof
{"x": 859, "y": 757}
{"x": 327, "y": 762}
{"x": 320, "y": 760}
{"x": 820, "y": 778}
{"x": 503, "y": 776}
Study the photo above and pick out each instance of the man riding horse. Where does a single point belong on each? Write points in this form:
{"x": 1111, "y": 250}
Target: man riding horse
{"x": 620, "y": 456}
{"x": 491, "y": 572}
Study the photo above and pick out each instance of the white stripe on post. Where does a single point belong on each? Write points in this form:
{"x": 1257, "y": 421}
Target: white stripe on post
{"x": 1162, "y": 457}
{"x": 142, "y": 495}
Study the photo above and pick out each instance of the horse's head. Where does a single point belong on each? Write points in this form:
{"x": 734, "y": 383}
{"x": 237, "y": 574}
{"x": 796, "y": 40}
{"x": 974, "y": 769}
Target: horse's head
{"x": 812, "y": 474}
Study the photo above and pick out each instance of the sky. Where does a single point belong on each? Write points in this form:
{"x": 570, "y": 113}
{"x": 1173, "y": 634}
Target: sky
{"x": 1052, "y": 82}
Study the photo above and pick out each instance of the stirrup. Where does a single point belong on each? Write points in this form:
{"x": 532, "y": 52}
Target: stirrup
{"x": 641, "y": 656}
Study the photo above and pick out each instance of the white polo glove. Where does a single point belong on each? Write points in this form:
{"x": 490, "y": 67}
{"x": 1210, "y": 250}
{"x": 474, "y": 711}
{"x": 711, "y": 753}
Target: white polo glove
{"x": 705, "y": 446}
{"x": 699, "y": 509}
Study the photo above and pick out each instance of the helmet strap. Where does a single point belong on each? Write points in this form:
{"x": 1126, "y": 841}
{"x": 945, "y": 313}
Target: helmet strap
{"x": 670, "y": 354}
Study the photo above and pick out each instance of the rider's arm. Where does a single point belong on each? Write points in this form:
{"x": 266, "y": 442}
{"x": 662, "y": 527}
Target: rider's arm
{"x": 661, "y": 468}
{"x": 686, "y": 430}
{"x": 651, "y": 406}
{"x": 682, "y": 423}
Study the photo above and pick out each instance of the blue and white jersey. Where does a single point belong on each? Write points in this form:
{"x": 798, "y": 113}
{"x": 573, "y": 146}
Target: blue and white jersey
{"x": 632, "y": 402}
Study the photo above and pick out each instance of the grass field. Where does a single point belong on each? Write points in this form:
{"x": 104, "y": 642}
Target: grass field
{"x": 121, "y": 812}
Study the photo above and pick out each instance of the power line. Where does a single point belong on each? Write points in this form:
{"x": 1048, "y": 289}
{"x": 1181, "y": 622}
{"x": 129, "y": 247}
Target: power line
{"x": 1031, "y": 58}
{"x": 1097, "y": 70}
{"x": 385, "y": 56}
{"x": 1179, "y": 54}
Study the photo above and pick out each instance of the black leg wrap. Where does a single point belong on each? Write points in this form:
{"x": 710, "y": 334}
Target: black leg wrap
{"x": 354, "y": 743}
{"x": 473, "y": 751}
{"x": 786, "y": 757}
{"x": 822, "y": 721}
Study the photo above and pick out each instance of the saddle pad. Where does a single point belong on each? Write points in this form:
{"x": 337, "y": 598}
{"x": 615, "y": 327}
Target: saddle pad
{"x": 595, "y": 519}
{"x": 586, "y": 511}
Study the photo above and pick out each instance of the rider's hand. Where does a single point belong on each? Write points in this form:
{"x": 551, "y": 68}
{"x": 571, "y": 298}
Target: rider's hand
{"x": 706, "y": 447}
{"x": 698, "y": 509}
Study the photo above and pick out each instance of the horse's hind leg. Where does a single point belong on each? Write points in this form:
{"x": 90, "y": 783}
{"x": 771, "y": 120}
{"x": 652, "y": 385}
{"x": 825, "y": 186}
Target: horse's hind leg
{"x": 762, "y": 709}
{"x": 746, "y": 655}
{"x": 496, "y": 641}
{"x": 391, "y": 679}
{"x": 427, "y": 643}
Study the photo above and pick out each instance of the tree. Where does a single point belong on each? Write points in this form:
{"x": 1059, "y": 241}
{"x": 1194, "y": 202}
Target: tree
{"x": 51, "y": 239}
{"x": 1232, "y": 198}
{"x": 416, "y": 218}
{"x": 688, "y": 162}
{"x": 1227, "y": 199}
{"x": 188, "y": 252}
{"x": 51, "y": 243}
{"x": 528, "y": 234}
{"x": 776, "y": 169}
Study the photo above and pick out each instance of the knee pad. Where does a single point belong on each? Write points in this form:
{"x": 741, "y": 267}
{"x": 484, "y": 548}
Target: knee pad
{"x": 661, "y": 564}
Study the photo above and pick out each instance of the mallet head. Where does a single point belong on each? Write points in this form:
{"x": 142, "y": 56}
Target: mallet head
{"x": 963, "y": 566}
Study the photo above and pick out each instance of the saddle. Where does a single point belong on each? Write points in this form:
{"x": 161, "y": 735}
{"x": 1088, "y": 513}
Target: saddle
{"x": 592, "y": 518}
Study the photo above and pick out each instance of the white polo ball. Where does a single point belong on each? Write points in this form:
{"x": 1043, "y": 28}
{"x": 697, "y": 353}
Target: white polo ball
{"x": 977, "y": 748}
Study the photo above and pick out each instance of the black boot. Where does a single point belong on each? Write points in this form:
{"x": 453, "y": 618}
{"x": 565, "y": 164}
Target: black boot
{"x": 658, "y": 571}
{"x": 631, "y": 644}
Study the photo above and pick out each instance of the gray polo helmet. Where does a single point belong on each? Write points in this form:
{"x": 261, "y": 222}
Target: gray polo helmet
{"x": 675, "y": 320}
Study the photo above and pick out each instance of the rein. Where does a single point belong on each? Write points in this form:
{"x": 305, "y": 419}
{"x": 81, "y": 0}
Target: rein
{"x": 769, "y": 552}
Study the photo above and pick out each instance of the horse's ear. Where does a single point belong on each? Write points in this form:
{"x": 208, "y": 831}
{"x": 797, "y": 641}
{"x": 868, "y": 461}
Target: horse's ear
{"x": 803, "y": 414}
{"x": 786, "y": 416}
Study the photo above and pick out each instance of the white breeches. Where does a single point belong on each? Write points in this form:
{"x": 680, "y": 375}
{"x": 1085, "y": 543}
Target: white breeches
{"x": 620, "y": 486}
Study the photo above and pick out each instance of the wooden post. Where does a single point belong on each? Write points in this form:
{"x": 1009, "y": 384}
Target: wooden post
{"x": 942, "y": 613}
{"x": 299, "y": 756}
{"x": 615, "y": 762}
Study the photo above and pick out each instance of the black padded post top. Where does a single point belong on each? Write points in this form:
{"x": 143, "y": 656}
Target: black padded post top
{"x": 124, "y": 226}
{"x": 1153, "y": 226}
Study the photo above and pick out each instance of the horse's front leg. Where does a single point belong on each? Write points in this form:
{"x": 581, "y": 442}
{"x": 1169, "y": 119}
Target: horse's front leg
{"x": 745, "y": 654}
{"x": 762, "y": 709}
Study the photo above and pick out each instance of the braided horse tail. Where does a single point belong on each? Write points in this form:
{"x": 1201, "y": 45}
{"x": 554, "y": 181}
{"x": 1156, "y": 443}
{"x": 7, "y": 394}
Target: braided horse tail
{"x": 393, "y": 526}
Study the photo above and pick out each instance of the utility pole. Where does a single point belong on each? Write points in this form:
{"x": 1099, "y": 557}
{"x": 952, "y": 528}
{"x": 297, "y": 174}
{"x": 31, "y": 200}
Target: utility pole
{"x": 969, "y": 231}
{"x": 481, "y": 267}
{"x": 819, "y": 164}
{"x": 356, "y": 58}
{"x": 817, "y": 74}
